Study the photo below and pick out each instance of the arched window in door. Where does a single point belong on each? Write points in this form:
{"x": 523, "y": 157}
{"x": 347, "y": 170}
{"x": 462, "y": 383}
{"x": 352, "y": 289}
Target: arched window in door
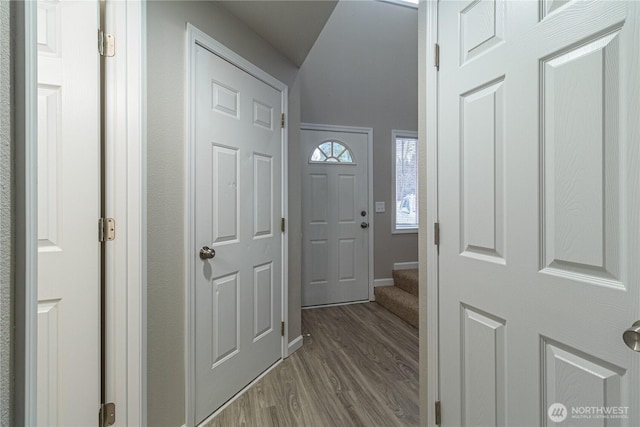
{"x": 331, "y": 152}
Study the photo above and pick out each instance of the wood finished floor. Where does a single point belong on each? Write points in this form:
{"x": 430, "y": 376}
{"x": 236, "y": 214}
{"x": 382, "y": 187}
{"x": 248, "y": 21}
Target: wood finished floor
{"x": 359, "y": 367}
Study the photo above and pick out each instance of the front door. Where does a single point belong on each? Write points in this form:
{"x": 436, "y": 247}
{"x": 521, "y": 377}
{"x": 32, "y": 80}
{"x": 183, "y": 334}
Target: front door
{"x": 539, "y": 208}
{"x": 335, "y": 210}
{"x": 238, "y": 208}
{"x": 68, "y": 386}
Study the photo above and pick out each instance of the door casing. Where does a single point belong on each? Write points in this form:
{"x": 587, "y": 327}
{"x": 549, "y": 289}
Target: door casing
{"x": 369, "y": 133}
{"x": 198, "y": 37}
{"x": 127, "y": 383}
{"x": 428, "y": 205}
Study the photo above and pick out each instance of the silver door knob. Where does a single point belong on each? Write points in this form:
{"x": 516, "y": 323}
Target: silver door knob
{"x": 631, "y": 336}
{"x": 207, "y": 253}
{"x": 364, "y": 224}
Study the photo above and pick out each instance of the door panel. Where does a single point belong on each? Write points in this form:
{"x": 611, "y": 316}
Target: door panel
{"x": 319, "y": 186}
{"x": 262, "y": 300}
{"x": 482, "y": 164}
{"x": 238, "y": 206}
{"x": 68, "y": 384}
{"x": 484, "y": 368}
{"x": 582, "y": 162}
{"x": 225, "y": 326}
{"x": 262, "y": 196}
{"x": 539, "y": 205}
{"x": 226, "y": 201}
{"x": 335, "y": 246}
{"x": 347, "y": 259}
{"x": 347, "y": 198}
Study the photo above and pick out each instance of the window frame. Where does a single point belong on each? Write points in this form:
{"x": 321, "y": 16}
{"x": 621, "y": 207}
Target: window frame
{"x": 395, "y": 134}
{"x": 337, "y": 162}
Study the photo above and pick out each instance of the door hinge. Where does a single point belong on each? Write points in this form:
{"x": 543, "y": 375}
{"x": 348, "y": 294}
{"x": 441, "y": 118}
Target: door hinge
{"x": 282, "y": 328}
{"x": 106, "y": 229}
{"x": 106, "y": 44}
{"x": 282, "y": 120}
{"x": 107, "y": 415}
{"x": 282, "y": 224}
{"x": 436, "y": 54}
{"x": 438, "y": 413}
{"x": 436, "y": 233}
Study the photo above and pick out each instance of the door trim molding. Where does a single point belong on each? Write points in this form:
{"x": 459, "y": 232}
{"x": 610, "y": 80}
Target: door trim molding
{"x": 369, "y": 133}
{"x": 25, "y": 144}
{"x": 198, "y": 37}
{"x": 129, "y": 375}
{"x": 126, "y": 195}
{"x": 428, "y": 209}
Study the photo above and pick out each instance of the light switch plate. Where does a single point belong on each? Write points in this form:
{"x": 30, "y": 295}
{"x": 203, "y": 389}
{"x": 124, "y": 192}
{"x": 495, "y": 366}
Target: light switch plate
{"x": 380, "y": 208}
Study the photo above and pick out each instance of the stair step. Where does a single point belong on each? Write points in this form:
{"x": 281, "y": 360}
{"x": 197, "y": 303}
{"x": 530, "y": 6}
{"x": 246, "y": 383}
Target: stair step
{"x": 399, "y": 302}
{"x": 407, "y": 280}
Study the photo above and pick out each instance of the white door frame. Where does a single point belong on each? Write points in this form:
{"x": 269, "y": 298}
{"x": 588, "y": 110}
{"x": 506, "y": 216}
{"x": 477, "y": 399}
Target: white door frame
{"x": 198, "y": 37}
{"x": 428, "y": 200}
{"x": 25, "y": 251}
{"x": 126, "y": 191}
{"x": 126, "y": 177}
{"x": 369, "y": 133}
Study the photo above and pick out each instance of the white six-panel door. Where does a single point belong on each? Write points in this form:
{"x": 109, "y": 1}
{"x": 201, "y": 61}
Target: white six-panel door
{"x": 539, "y": 206}
{"x": 68, "y": 210}
{"x": 238, "y": 208}
{"x": 335, "y": 211}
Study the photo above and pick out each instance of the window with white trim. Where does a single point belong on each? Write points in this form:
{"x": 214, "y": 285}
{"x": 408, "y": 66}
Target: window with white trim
{"x": 405, "y": 181}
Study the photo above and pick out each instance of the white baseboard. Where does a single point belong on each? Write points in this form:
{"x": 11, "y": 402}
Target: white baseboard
{"x": 294, "y": 345}
{"x": 405, "y": 265}
{"x": 383, "y": 282}
{"x": 379, "y": 282}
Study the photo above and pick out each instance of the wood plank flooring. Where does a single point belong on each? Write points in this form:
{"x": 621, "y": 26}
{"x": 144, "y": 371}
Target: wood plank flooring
{"x": 359, "y": 367}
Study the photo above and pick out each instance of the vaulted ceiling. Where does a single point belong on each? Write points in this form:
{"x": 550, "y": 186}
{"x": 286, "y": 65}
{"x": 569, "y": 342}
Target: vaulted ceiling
{"x": 291, "y": 26}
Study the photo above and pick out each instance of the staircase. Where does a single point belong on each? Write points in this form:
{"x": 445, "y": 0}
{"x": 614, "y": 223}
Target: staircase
{"x": 402, "y": 298}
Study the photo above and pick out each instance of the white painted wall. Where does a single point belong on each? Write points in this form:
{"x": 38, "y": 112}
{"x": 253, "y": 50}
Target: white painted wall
{"x": 166, "y": 21}
{"x": 363, "y": 71}
{"x": 6, "y": 189}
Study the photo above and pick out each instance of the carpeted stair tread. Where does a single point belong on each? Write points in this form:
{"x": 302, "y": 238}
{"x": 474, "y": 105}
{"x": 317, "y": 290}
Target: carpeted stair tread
{"x": 407, "y": 280}
{"x": 399, "y": 302}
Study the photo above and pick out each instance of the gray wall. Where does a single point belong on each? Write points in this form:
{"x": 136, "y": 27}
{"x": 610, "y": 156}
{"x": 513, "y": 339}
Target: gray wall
{"x": 6, "y": 186}
{"x": 363, "y": 71}
{"x": 166, "y": 23}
